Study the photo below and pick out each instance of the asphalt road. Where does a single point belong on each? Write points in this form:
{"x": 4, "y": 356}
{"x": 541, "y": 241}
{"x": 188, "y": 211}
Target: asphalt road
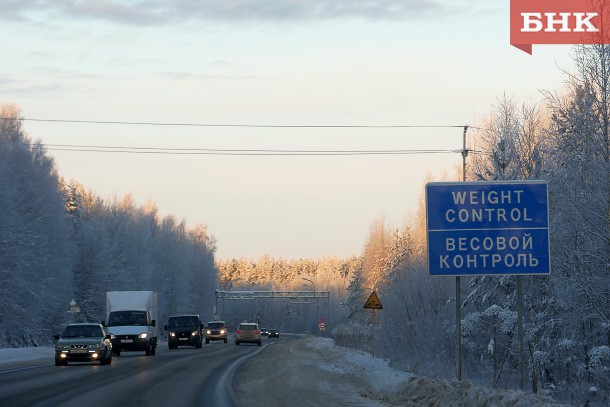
{"x": 184, "y": 376}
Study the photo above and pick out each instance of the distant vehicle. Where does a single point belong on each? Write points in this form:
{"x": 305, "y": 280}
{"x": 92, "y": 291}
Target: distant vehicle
{"x": 184, "y": 330}
{"x": 132, "y": 321}
{"x": 248, "y": 332}
{"x": 264, "y": 332}
{"x": 83, "y": 343}
{"x": 216, "y": 331}
{"x": 274, "y": 333}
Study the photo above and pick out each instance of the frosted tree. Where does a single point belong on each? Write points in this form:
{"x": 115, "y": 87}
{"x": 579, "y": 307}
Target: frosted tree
{"x": 203, "y": 274}
{"x": 581, "y": 203}
{"x": 499, "y": 324}
{"x": 375, "y": 255}
{"x": 35, "y": 279}
{"x": 87, "y": 215}
{"x": 510, "y": 144}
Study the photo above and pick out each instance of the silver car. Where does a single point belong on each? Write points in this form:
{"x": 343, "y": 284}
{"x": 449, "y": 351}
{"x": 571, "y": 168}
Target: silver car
{"x": 83, "y": 343}
{"x": 248, "y": 332}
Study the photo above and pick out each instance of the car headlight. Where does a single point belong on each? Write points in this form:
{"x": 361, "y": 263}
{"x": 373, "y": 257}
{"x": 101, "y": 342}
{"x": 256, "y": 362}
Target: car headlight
{"x": 209, "y": 332}
{"x": 194, "y": 333}
{"x": 172, "y": 334}
{"x": 222, "y": 331}
{"x": 143, "y": 335}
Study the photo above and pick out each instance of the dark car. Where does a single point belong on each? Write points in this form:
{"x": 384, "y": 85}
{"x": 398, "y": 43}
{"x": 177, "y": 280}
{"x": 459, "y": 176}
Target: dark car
{"x": 248, "y": 332}
{"x": 184, "y": 330}
{"x": 83, "y": 343}
{"x": 216, "y": 331}
{"x": 274, "y": 333}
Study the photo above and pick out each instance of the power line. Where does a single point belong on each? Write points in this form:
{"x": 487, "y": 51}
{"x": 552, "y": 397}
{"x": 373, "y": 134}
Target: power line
{"x": 254, "y": 152}
{"x": 219, "y": 151}
{"x": 246, "y": 125}
{"x": 208, "y": 151}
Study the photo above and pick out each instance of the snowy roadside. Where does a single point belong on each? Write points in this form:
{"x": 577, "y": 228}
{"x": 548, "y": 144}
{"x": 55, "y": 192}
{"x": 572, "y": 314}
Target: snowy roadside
{"x": 9, "y": 355}
{"x": 394, "y": 387}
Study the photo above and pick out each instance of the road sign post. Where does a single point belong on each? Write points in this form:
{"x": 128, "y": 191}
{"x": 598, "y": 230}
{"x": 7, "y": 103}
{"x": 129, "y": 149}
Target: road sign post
{"x": 488, "y": 228}
{"x": 373, "y": 303}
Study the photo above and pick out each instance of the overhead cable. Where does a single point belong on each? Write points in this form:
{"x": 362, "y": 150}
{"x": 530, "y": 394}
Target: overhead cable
{"x": 247, "y": 125}
{"x": 254, "y": 152}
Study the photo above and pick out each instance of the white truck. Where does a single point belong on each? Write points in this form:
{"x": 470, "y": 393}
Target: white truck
{"x": 132, "y": 321}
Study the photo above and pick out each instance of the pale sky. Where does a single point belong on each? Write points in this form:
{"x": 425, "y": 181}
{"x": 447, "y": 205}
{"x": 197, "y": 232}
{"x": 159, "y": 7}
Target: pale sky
{"x": 269, "y": 63}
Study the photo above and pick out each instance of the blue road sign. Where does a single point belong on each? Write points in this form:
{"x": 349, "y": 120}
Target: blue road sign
{"x": 491, "y": 228}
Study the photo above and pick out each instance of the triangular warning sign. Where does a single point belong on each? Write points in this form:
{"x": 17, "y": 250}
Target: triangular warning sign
{"x": 373, "y": 302}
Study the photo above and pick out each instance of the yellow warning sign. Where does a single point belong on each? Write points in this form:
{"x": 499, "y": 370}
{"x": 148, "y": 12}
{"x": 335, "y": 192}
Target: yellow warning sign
{"x": 373, "y": 302}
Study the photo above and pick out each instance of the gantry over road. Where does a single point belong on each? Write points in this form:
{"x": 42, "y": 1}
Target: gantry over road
{"x": 304, "y": 297}
{"x": 251, "y": 295}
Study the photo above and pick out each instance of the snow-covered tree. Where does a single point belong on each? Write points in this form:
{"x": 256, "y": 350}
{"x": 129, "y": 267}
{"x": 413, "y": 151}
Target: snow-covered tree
{"x": 580, "y": 192}
{"x": 35, "y": 249}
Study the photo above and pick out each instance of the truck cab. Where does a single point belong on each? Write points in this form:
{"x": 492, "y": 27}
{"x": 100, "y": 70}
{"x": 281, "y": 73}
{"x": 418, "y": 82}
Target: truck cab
{"x": 132, "y": 331}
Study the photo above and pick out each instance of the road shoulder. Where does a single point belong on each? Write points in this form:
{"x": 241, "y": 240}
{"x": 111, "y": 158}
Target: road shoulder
{"x": 297, "y": 373}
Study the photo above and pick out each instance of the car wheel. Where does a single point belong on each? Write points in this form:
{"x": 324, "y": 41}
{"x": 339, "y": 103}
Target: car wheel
{"x": 236, "y": 343}
{"x": 103, "y": 361}
{"x": 207, "y": 341}
{"x": 58, "y": 362}
{"x": 117, "y": 352}
{"x": 225, "y": 340}
{"x": 259, "y": 343}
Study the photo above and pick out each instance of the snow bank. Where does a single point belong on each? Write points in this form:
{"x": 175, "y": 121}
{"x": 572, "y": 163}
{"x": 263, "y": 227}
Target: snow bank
{"x": 8, "y": 355}
{"x": 396, "y": 387}
{"x": 375, "y": 372}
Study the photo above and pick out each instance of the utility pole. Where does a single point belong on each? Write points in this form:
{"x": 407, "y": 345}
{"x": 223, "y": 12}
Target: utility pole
{"x": 458, "y": 286}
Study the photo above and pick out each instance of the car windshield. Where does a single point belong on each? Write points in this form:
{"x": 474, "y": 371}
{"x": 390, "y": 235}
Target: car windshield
{"x": 216, "y": 325}
{"x": 183, "y": 321}
{"x": 78, "y": 331}
{"x": 121, "y": 318}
